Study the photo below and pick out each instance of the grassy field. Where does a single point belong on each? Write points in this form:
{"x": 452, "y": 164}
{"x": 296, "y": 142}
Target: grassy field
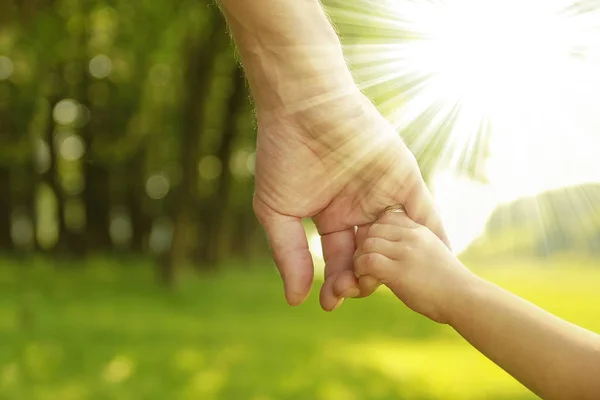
{"x": 107, "y": 331}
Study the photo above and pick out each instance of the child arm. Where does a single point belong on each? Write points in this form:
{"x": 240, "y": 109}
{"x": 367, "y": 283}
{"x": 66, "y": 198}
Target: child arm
{"x": 553, "y": 358}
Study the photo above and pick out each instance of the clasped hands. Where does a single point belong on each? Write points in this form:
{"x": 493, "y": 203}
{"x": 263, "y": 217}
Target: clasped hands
{"x": 341, "y": 164}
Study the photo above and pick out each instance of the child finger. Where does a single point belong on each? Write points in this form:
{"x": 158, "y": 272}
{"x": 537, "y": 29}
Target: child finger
{"x": 397, "y": 218}
{"x": 376, "y": 265}
{"x": 378, "y": 245}
{"x": 368, "y": 285}
{"x": 392, "y": 233}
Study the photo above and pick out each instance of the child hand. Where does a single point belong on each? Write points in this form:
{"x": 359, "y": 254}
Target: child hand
{"x": 410, "y": 260}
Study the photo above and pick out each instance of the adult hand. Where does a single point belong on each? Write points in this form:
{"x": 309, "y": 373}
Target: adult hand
{"x": 341, "y": 164}
{"x": 324, "y": 151}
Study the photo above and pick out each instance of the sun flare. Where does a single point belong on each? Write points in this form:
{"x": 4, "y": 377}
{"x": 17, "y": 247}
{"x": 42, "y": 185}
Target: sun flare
{"x": 505, "y": 93}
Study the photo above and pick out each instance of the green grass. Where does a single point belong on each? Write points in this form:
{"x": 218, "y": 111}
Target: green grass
{"x": 107, "y": 331}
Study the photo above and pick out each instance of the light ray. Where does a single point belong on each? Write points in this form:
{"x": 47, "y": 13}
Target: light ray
{"x": 504, "y": 91}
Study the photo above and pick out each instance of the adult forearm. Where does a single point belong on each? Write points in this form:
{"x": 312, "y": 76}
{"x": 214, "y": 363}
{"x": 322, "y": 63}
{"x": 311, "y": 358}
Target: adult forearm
{"x": 553, "y": 358}
{"x": 257, "y": 23}
{"x": 290, "y": 51}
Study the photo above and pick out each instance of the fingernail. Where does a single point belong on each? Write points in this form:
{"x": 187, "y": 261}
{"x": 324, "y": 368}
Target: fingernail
{"x": 351, "y": 293}
{"x": 337, "y": 305}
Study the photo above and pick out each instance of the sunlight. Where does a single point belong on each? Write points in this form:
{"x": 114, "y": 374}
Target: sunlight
{"x": 487, "y": 53}
{"x": 314, "y": 244}
{"x": 316, "y": 250}
{"x": 503, "y": 92}
{"x": 433, "y": 363}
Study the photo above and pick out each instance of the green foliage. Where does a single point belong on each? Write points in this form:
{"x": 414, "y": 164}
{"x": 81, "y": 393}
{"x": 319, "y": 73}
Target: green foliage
{"x": 114, "y": 108}
{"x": 554, "y": 222}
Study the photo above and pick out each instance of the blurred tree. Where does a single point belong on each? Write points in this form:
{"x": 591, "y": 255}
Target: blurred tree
{"x": 6, "y": 137}
{"x": 49, "y": 176}
{"x": 127, "y": 127}
{"x": 553, "y": 222}
{"x": 220, "y": 207}
{"x": 201, "y": 53}
{"x": 5, "y": 209}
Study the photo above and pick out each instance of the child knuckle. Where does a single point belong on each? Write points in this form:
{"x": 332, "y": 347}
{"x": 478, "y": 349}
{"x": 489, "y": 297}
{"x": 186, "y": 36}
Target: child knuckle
{"x": 372, "y": 260}
{"x": 374, "y": 230}
{"x": 365, "y": 264}
{"x": 371, "y": 244}
{"x": 415, "y": 235}
{"x": 403, "y": 251}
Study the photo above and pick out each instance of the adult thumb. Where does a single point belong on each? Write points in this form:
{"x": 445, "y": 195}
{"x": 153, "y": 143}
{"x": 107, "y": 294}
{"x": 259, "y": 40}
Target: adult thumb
{"x": 289, "y": 245}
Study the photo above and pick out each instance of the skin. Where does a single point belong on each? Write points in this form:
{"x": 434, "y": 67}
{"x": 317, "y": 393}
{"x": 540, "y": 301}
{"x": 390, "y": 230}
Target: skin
{"x": 553, "y": 358}
{"x": 323, "y": 150}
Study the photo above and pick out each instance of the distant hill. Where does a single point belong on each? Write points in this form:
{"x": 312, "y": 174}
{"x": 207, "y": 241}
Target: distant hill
{"x": 557, "y": 221}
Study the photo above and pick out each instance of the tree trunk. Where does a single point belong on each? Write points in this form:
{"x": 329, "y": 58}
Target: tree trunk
{"x": 23, "y": 186}
{"x": 8, "y": 135}
{"x": 51, "y": 178}
{"x": 201, "y": 58}
{"x": 6, "y": 243}
{"x": 248, "y": 240}
{"x": 140, "y": 221}
{"x": 217, "y": 219}
{"x": 96, "y": 197}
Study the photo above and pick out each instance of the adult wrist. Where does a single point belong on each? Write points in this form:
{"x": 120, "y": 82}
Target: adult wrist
{"x": 297, "y": 78}
{"x": 257, "y": 24}
{"x": 290, "y": 51}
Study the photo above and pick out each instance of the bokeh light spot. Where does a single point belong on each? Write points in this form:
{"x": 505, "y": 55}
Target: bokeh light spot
{"x": 158, "y": 186}
{"x": 161, "y": 235}
{"x": 209, "y": 167}
{"x": 100, "y": 66}
{"x": 251, "y": 163}
{"x": 241, "y": 163}
{"x": 72, "y": 148}
{"x": 121, "y": 229}
{"x": 66, "y": 112}
{"x": 21, "y": 231}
